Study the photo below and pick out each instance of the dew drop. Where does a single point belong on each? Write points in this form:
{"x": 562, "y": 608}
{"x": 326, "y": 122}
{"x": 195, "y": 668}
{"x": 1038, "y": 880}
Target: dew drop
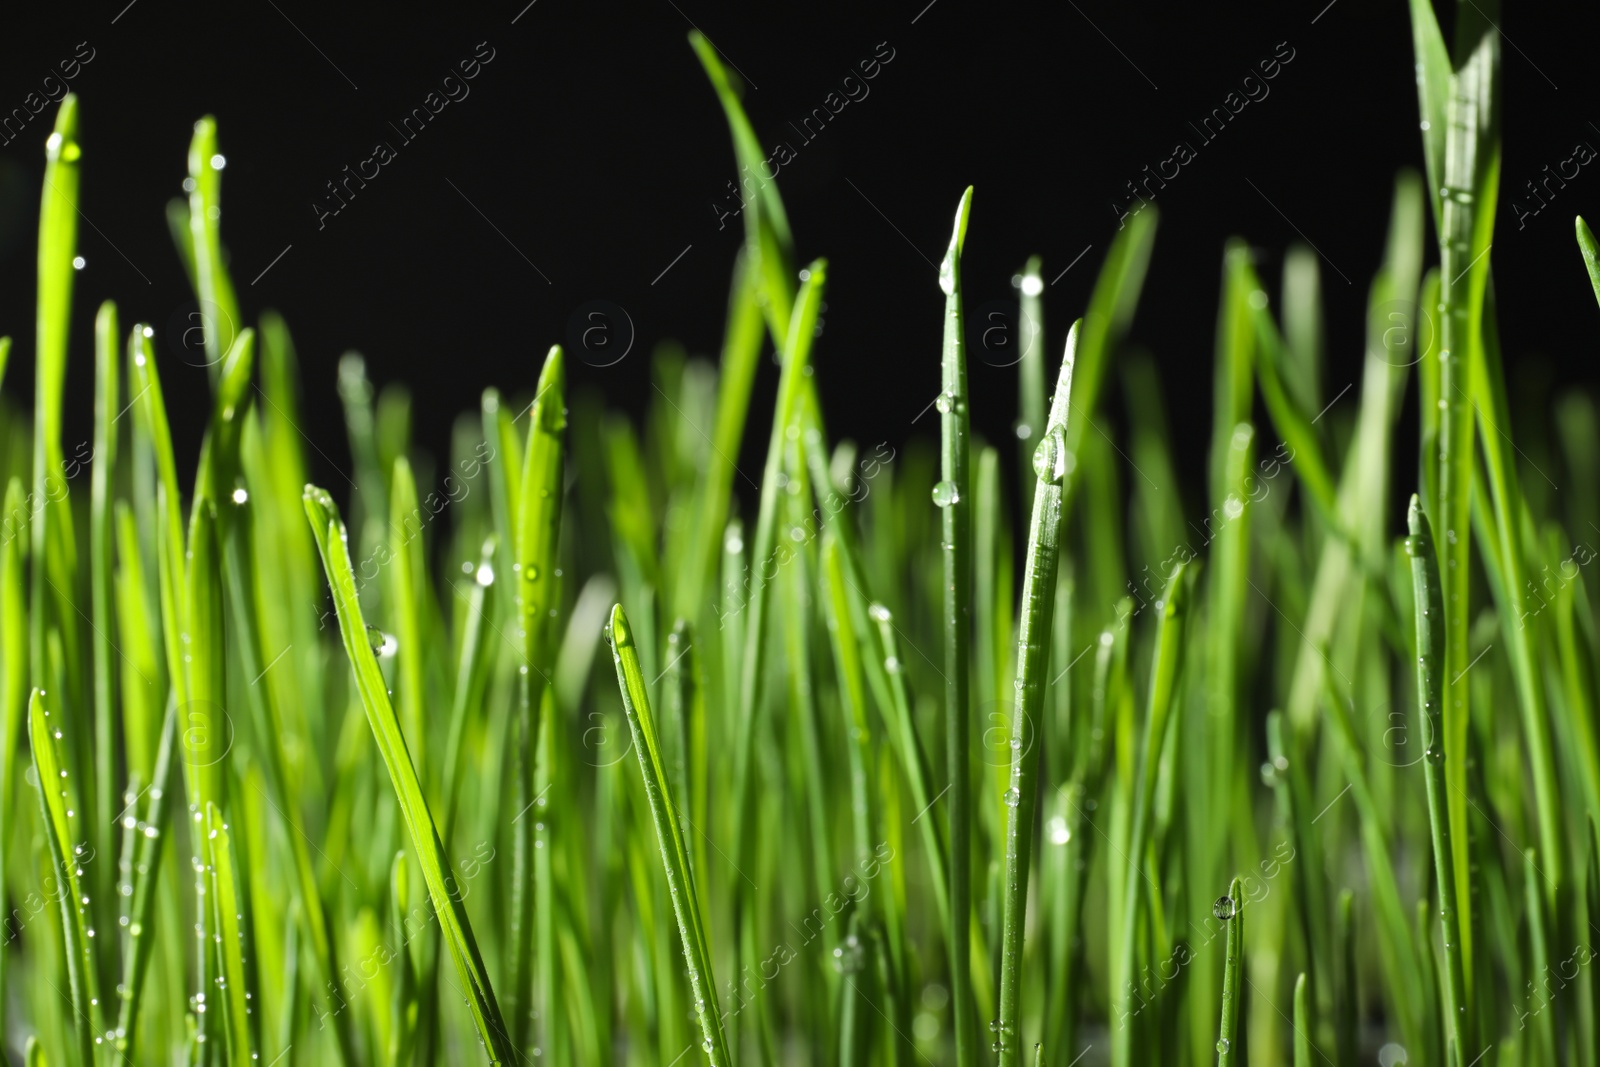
{"x": 1224, "y": 908}
{"x": 1050, "y": 459}
{"x": 945, "y": 493}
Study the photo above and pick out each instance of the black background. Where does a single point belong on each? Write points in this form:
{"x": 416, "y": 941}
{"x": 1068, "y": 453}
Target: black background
{"x": 592, "y": 147}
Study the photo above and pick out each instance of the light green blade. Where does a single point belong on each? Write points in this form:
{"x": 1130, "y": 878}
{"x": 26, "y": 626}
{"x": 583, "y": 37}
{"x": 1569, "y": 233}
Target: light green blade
{"x": 1033, "y": 656}
{"x": 674, "y": 857}
{"x": 385, "y": 724}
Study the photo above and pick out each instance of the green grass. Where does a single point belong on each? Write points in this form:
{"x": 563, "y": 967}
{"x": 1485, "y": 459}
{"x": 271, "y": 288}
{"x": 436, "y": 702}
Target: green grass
{"x": 866, "y": 780}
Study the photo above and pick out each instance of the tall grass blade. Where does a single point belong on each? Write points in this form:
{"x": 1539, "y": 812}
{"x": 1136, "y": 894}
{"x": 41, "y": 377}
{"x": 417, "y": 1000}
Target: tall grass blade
{"x": 102, "y": 478}
{"x": 1140, "y": 782}
{"x": 1431, "y": 663}
{"x": 1033, "y": 663}
{"x": 669, "y": 835}
{"x": 447, "y": 901}
{"x": 52, "y": 544}
{"x": 951, "y": 495}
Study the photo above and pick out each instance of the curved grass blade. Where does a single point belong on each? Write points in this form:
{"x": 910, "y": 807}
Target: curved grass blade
{"x": 1431, "y": 662}
{"x": 447, "y": 901}
{"x": 1027, "y": 720}
{"x": 768, "y": 243}
{"x": 57, "y": 808}
{"x": 674, "y": 857}
{"x": 951, "y": 495}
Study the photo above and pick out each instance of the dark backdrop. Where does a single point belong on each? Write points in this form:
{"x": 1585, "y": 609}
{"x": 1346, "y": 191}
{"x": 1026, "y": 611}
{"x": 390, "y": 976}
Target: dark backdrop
{"x": 586, "y": 162}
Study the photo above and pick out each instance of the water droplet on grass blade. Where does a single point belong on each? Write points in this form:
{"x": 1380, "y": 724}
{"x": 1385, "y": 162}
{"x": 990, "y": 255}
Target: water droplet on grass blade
{"x": 1050, "y": 458}
{"x": 945, "y": 493}
{"x": 1224, "y": 908}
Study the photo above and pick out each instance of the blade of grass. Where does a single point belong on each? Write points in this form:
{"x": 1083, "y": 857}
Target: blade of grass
{"x": 219, "y": 309}
{"x": 1033, "y": 661}
{"x": 406, "y": 592}
{"x": 1494, "y": 426}
{"x": 952, "y": 495}
{"x": 1228, "y": 1052}
{"x": 1105, "y": 322}
{"x": 153, "y": 829}
{"x": 1540, "y": 1044}
{"x": 13, "y": 683}
{"x": 52, "y": 543}
{"x": 404, "y": 1013}
{"x": 226, "y": 917}
{"x": 741, "y": 351}
{"x": 769, "y": 246}
{"x": 1465, "y": 171}
{"x": 753, "y": 584}
{"x": 1165, "y": 666}
{"x": 56, "y": 806}
{"x": 1347, "y": 1002}
{"x": 102, "y": 477}
{"x": 674, "y": 857}
{"x": 1404, "y": 961}
{"x": 1591, "y": 254}
{"x": 1431, "y": 661}
{"x": 447, "y": 902}
{"x": 538, "y": 527}
{"x": 1304, "y": 1024}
